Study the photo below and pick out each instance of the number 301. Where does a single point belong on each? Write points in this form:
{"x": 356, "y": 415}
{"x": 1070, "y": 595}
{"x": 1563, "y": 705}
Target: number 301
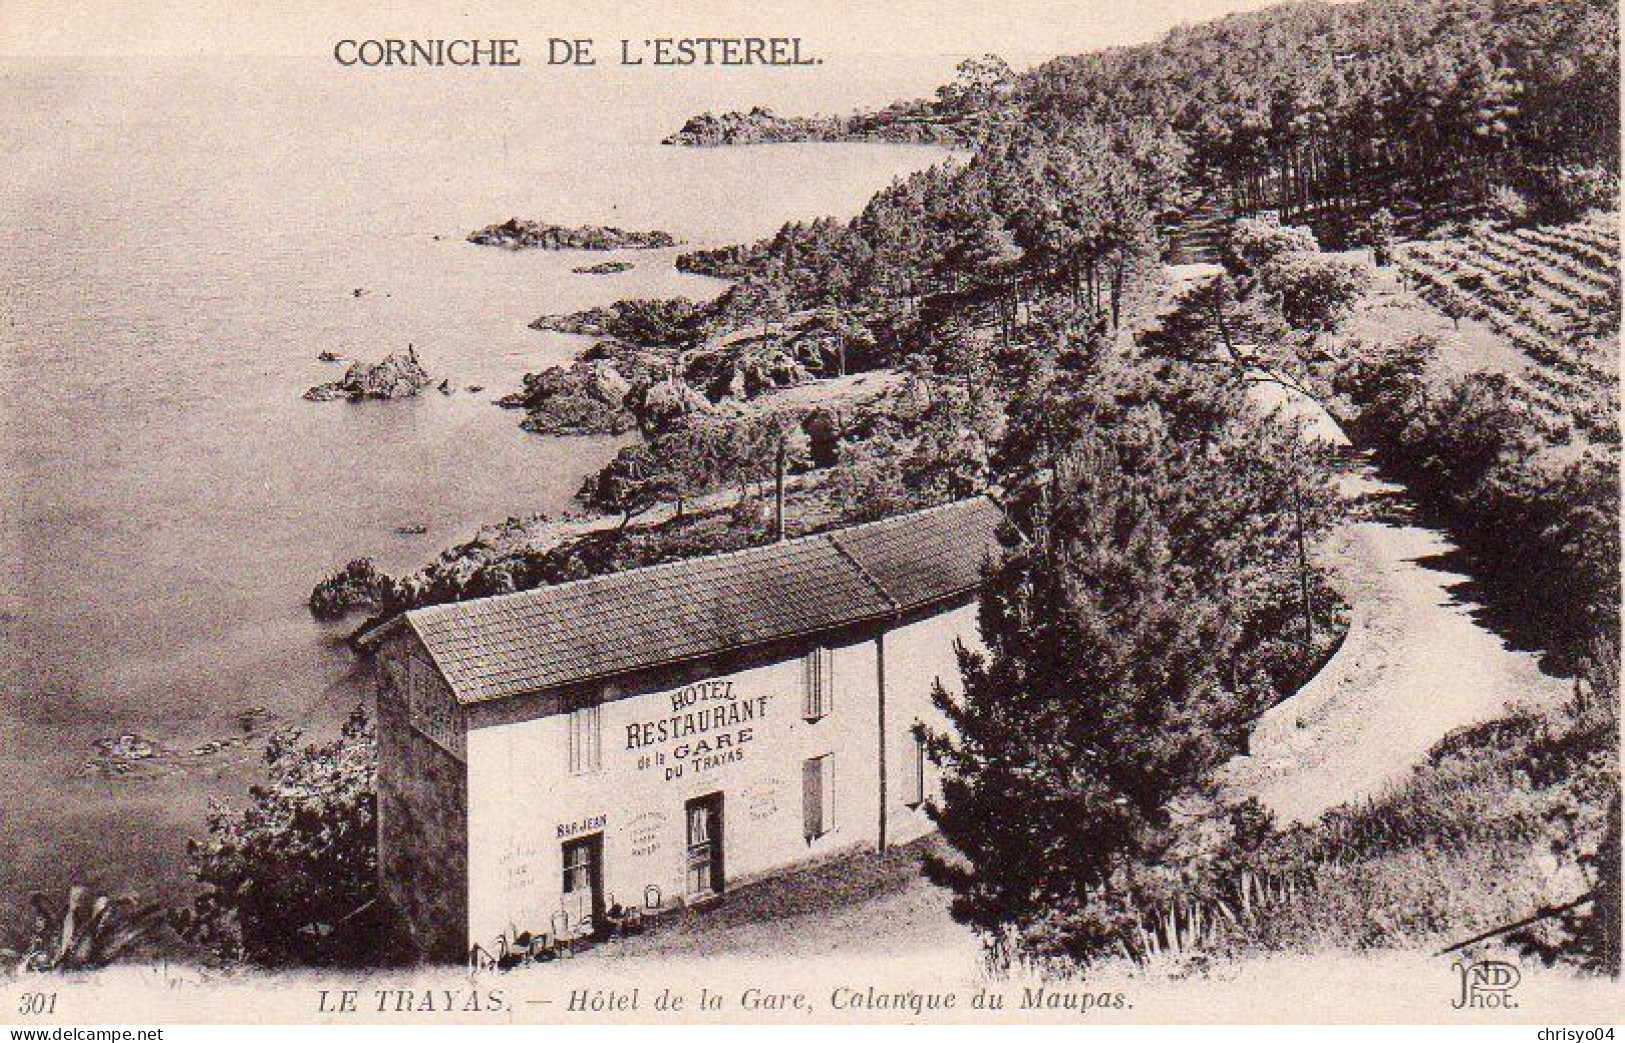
{"x": 37, "y": 1003}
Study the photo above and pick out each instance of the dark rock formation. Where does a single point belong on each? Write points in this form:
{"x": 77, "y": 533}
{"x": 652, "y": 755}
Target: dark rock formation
{"x": 515, "y": 234}
{"x": 397, "y": 376}
{"x": 588, "y": 398}
{"x": 658, "y": 406}
{"x": 360, "y": 584}
{"x": 603, "y": 268}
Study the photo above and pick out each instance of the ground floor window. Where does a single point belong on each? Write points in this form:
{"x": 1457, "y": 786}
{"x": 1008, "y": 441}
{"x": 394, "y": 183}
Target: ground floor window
{"x": 818, "y": 795}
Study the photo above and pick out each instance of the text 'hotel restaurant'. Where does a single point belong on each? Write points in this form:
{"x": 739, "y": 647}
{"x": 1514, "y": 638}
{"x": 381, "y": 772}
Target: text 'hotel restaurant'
{"x": 652, "y": 737}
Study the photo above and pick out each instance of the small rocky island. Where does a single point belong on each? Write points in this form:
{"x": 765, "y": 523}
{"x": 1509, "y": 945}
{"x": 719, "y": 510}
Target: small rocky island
{"x": 399, "y": 375}
{"x": 515, "y": 234}
{"x": 603, "y": 268}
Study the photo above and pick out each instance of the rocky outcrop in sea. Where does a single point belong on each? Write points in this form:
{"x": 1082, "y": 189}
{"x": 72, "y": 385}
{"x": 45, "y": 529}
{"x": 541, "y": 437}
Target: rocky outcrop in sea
{"x": 587, "y": 398}
{"x": 399, "y": 375}
{"x": 603, "y": 268}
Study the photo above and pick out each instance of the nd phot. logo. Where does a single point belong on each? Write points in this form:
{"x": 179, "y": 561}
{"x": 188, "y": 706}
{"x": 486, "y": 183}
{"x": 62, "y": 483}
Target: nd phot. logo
{"x": 1486, "y": 985}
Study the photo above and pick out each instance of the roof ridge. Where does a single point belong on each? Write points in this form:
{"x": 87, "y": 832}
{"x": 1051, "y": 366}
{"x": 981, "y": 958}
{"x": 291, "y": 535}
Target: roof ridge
{"x": 868, "y": 577}
{"x": 429, "y": 612}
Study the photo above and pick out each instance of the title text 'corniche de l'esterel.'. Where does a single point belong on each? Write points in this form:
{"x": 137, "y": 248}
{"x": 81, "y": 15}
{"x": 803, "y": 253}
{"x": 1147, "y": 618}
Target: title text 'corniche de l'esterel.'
{"x": 665, "y": 51}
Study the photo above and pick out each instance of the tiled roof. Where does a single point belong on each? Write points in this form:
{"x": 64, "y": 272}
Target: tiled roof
{"x": 540, "y": 639}
{"x": 922, "y": 557}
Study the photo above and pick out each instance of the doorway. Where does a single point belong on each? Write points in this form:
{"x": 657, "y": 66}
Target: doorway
{"x": 584, "y": 884}
{"x": 704, "y": 878}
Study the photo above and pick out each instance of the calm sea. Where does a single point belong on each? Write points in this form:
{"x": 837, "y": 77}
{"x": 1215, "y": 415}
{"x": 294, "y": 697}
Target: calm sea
{"x": 178, "y": 241}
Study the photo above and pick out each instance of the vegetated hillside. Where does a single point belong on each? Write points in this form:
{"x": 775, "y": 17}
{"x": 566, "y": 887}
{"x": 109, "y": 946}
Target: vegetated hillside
{"x": 1509, "y": 829}
{"x": 1330, "y": 109}
{"x": 1554, "y": 293}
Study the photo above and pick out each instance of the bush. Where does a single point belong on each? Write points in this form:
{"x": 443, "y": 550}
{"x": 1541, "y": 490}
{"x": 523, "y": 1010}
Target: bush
{"x": 1316, "y": 291}
{"x": 1379, "y": 235}
{"x": 84, "y": 934}
{"x": 1507, "y": 205}
{"x": 1254, "y": 242}
{"x": 359, "y": 584}
{"x": 293, "y": 878}
{"x": 1576, "y": 190}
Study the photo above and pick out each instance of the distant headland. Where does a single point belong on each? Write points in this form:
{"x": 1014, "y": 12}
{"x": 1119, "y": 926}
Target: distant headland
{"x": 516, "y": 234}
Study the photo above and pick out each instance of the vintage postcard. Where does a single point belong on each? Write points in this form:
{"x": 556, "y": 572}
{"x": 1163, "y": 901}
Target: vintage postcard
{"x": 1030, "y": 512}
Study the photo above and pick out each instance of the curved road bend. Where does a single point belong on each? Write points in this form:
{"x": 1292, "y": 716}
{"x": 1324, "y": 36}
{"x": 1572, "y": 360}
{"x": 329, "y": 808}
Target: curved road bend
{"x": 1417, "y": 664}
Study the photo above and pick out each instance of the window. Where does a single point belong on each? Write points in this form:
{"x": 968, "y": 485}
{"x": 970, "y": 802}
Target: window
{"x": 818, "y": 697}
{"x": 586, "y": 740}
{"x": 914, "y": 768}
{"x": 578, "y": 868}
{"x": 818, "y": 795}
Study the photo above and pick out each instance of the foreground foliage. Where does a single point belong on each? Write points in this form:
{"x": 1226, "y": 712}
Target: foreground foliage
{"x": 85, "y": 933}
{"x": 293, "y": 878}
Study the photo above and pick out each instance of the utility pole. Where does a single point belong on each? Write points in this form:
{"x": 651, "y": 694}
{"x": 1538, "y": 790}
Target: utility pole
{"x": 1303, "y": 567}
{"x": 780, "y": 460}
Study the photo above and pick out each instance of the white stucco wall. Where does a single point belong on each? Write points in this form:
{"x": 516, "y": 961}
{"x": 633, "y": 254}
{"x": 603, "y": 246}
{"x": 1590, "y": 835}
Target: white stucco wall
{"x": 916, "y": 656}
{"x": 524, "y": 804}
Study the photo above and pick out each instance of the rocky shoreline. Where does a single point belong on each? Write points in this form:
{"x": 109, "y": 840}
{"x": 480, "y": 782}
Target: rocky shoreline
{"x": 518, "y": 234}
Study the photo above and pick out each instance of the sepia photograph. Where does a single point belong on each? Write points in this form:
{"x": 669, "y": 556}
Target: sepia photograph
{"x": 1036, "y": 512}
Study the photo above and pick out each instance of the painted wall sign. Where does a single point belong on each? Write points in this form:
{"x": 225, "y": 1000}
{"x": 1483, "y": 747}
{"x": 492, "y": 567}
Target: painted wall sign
{"x": 645, "y": 833}
{"x": 708, "y": 727}
{"x": 581, "y": 825}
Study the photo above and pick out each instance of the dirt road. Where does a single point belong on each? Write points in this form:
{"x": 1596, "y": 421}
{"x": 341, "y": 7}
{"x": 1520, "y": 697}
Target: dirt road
{"x": 1418, "y": 662}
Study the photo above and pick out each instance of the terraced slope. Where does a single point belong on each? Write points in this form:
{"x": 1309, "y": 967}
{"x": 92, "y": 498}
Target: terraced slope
{"x": 1554, "y": 294}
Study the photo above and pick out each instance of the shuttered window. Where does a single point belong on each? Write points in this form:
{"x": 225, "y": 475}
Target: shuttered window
{"x": 818, "y": 695}
{"x": 818, "y": 796}
{"x": 586, "y": 740}
{"x": 914, "y": 768}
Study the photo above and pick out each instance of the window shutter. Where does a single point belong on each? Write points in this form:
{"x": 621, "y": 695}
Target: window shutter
{"x": 818, "y": 695}
{"x": 809, "y": 685}
{"x": 914, "y": 779}
{"x": 826, "y": 764}
{"x": 585, "y": 739}
{"x": 812, "y": 796}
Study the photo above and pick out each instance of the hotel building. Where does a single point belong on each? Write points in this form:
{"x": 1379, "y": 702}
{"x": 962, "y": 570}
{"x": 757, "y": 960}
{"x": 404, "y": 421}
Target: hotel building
{"x": 654, "y": 737}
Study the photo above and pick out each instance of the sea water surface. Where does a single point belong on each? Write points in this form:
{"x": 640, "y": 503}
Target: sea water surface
{"x": 178, "y": 240}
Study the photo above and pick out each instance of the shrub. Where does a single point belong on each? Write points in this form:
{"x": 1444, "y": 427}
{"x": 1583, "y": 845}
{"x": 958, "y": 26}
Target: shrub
{"x": 1254, "y": 242}
{"x": 1576, "y": 190}
{"x": 84, "y": 934}
{"x": 359, "y": 584}
{"x": 1316, "y": 291}
{"x": 293, "y": 878}
{"x": 1379, "y": 235}
{"x": 1507, "y": 205}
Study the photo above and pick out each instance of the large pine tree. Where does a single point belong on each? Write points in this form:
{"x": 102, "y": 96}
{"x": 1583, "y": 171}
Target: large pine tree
{"x": 1145, "y": 613}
